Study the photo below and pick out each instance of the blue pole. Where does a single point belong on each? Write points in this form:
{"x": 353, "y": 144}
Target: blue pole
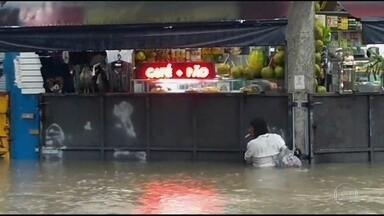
{"x": 24, "y": 143}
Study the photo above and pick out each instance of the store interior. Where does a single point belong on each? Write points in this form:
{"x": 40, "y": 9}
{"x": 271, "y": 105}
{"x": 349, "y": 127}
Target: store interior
{"x": 347, "y": 63}
{"x": 194, "y": 70}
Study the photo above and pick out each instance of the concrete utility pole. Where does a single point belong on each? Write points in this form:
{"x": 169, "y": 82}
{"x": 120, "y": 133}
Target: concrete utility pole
{"x": 301, "y": 63}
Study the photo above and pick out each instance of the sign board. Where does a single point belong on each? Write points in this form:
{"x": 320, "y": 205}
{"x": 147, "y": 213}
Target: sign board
{"x": 299, "y": 82}
{"x": 27, "y": 116}
{"x": 170, "y": 70}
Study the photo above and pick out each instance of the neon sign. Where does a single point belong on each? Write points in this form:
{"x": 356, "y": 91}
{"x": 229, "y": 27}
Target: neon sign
{"x": 169, "y": 70}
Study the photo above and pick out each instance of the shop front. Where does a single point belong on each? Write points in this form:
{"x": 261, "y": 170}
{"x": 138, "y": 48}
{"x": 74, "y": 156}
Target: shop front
{"x": 345, "y": 114}
{"x": 192, "y": 100}
{"x": 122, "y": 83}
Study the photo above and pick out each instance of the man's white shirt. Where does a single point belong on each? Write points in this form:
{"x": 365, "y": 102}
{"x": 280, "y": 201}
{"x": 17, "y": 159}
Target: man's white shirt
{"x": 261, "y": 150}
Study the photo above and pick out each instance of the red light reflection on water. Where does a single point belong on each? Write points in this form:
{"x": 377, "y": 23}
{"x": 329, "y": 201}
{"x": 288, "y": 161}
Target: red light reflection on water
{"x": 180, "y": 196}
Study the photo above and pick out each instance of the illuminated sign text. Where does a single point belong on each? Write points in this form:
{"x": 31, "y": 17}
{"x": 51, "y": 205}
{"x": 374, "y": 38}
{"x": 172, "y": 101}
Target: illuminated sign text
{"x": 188, "y": 70}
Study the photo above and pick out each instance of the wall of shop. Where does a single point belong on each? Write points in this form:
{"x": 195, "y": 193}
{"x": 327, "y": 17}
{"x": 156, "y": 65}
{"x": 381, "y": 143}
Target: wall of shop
{"x": 157, "y": 126}
{"x": 4, "y": 112}
{"x": 347, "y": 128}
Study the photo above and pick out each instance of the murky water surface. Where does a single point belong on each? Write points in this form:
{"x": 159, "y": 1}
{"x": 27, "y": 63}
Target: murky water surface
{"x": 188, "y": 187}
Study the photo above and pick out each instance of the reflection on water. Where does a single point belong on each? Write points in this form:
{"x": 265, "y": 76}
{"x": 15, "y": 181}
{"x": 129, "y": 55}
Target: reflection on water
{"x": 186, "y": 187}
{"x": 179, "y": 196}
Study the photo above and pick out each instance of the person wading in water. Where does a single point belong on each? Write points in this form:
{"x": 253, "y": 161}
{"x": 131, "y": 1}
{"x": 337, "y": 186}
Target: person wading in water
{"x": 268, "y": 149}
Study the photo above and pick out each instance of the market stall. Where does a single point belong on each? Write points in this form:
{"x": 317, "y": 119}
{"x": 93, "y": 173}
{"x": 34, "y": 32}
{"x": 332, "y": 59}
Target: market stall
{"x": 174, "y": 103}
{"x": 122, "y": 83}
{"x": 345, "y": 117}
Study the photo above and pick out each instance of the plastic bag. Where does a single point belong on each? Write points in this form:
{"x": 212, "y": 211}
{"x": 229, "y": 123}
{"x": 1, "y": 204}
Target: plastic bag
{"x": 286, "y": 158}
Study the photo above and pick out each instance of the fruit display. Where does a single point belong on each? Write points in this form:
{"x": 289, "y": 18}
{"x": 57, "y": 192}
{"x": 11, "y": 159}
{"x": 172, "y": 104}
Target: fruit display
{"x": 267, "y": 72}
{"x": 257, "y": 60}
{"x": 279, "y": 72}
{"x": 318, "y": 30}
{"x": 319, "y": 45}
{"x": 278, "y": 62}
{"x": 278, "y": 58}
{"x": 322, "y": 38}
{"x": 223, "y": 69}
{"x": 255, "y": 65}
{"x": 250, "y": 73}
{"x": 233, "y": 66}
{"x": 317, "y": 70}
{"x": 237, "y": 72}
{"x": 317, "y": 58}
{"x": 321, "y": 90}
{"x": 140, "y": 56}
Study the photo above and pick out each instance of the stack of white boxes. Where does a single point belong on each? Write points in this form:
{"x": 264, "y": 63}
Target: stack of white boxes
{"x": 28, "y": 74}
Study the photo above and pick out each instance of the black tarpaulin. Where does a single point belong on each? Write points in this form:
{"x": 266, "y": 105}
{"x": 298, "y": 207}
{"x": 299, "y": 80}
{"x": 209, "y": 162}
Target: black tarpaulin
{"x": 373, "y": 31}
{"x": 109, "y": 37}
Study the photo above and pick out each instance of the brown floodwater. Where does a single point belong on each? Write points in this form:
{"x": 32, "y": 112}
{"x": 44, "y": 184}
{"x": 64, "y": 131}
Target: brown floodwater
{"x": 103, "y": 187}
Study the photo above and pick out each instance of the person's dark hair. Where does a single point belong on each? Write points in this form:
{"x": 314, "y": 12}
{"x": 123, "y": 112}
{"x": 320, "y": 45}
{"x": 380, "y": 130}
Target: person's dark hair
{"x": 260, "y": 126}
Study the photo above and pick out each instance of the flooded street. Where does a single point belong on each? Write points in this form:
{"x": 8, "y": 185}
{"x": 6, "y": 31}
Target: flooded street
{"x": 188, "y": 187}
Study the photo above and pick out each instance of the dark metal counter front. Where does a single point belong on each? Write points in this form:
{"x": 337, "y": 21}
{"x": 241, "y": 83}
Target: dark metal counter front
{"x": 347, "y": 128}
{"x": 159, "y": 126}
